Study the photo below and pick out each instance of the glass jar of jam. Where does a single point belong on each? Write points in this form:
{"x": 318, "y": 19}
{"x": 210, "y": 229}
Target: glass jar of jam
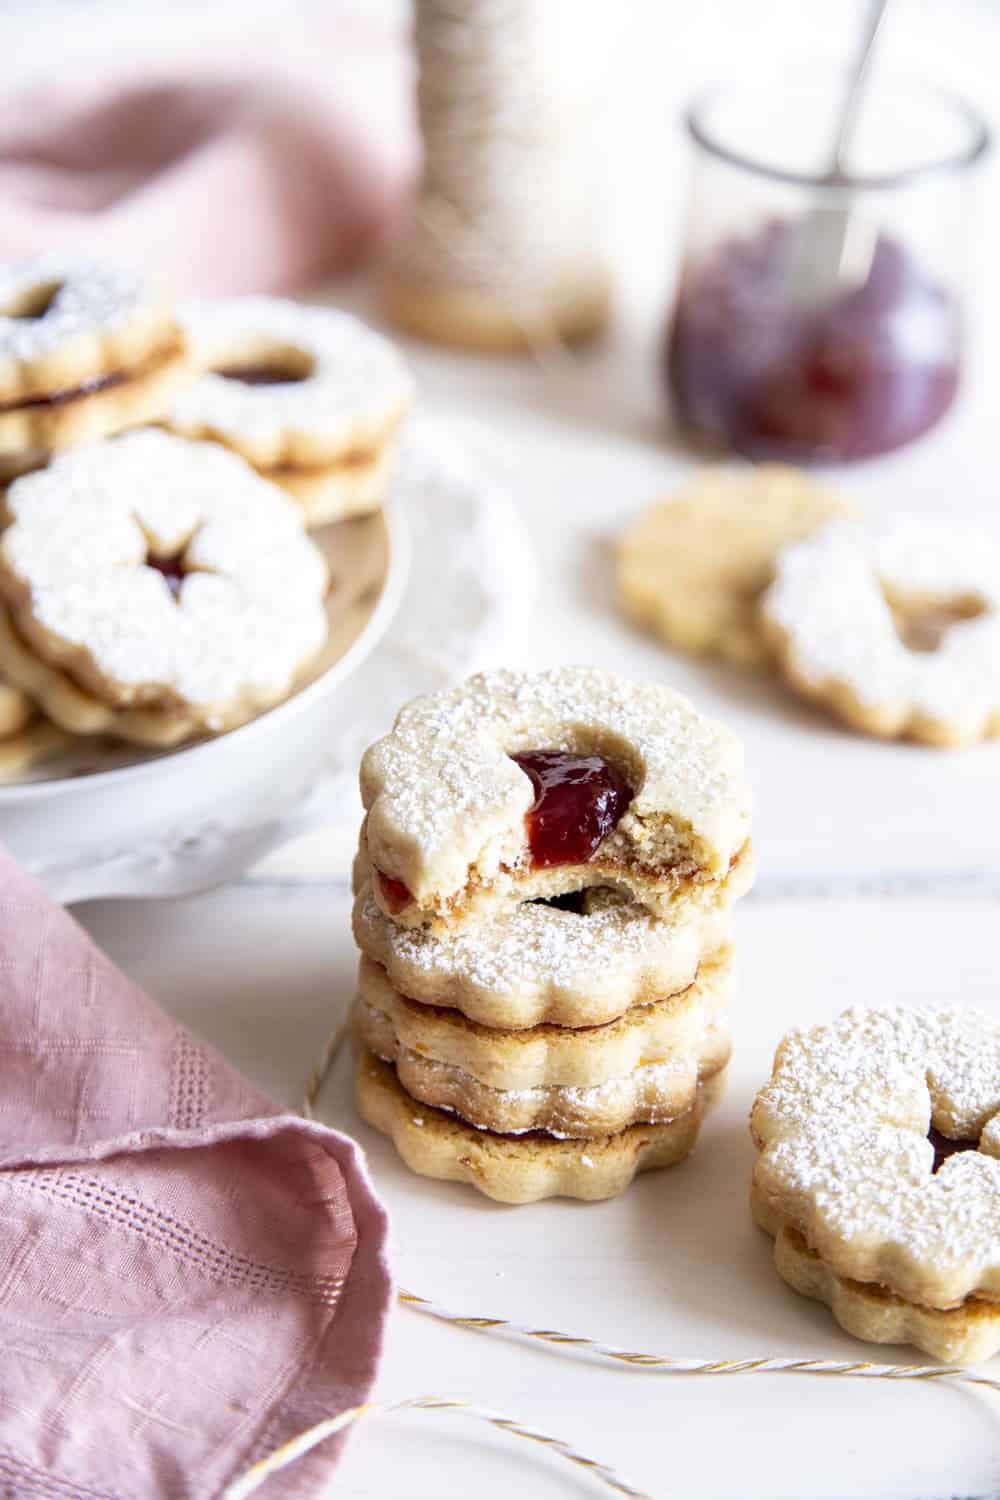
{"x": 818, "y": 316}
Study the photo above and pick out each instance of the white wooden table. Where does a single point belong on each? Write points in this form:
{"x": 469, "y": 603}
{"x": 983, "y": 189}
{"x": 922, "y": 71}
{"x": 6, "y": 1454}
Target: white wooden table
{"x": 880, "y": 881}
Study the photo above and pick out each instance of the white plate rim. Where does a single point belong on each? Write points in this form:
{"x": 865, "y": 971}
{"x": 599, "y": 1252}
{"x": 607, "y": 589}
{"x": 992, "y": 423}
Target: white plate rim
{"x": 369, "y": 637}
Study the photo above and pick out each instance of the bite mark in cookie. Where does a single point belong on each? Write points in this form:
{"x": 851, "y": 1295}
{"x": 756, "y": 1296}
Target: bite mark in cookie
{"x": 450, "y": 808}
{"x": 579, "y": 800}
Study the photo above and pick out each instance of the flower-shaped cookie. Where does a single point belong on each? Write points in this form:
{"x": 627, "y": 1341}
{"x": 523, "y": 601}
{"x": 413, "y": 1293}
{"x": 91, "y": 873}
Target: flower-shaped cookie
{"x": 520, "y": 785}
{"x": 645, "y": 1067}
{"x": 522, "y": 1168}
{"x": 879, "y": 1139}
{"x": 895, "y": 627}
{"x": 155, "y": 589}
{"x": 86, "y": 349}
{"x": 308, "y": 395}
{"x": 540, "y": 963}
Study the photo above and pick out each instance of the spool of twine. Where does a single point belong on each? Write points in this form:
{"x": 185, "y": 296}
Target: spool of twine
{"x": 501, "y": 253}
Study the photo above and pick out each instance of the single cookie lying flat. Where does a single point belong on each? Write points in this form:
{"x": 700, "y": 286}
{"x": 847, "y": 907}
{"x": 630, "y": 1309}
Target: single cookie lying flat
{"x": 85, "y": 350}
{"x": 879, "y": 1140}
{"x": 308, "y": 395}
{"x": 645, "y": 1067}
{"x": 520, "y": 1168}
{"x": 155, "y": 588}
{"x": 895, "y": 627}
{"x": 545, "y": 963}
{"x": 519, "y": 785}
{"x": 693, "y": 568}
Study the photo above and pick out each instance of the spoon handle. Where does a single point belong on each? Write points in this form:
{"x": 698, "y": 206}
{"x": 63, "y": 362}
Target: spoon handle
{"x": 856, "y": 87}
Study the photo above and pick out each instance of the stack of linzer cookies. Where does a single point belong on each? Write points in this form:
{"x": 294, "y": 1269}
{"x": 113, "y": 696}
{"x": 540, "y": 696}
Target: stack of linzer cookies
{"x": 543, "y": 890}
{"x": 161, "y": 584}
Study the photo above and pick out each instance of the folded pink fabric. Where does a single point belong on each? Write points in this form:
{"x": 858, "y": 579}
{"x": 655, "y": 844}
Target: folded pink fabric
{"x": 225, "y": 167}
{"x": 187, "y": 1277}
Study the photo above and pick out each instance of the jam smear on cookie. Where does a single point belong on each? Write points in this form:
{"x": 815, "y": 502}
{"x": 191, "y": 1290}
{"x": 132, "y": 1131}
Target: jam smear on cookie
{"x": 171, "y": 569}
{"x": 579, "y": 800}
{"x": 944, "y": 1147}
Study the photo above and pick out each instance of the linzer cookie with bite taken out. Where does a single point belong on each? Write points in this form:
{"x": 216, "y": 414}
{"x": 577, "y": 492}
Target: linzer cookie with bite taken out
{"x": 155, "y": 589}
{"x": 86, "y": 350}
{"x": 309, "y": 396}
{"x": 879, "y": 1175}
{"x": 519, "y": 786}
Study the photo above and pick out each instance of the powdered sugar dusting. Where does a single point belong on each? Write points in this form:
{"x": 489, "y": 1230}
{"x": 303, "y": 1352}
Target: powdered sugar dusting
{"x": 844, "y": 1125}
{"x": 250, "y": 608}
{"x": 91, "y": 298}
{"x": 357, "y": 377}
{"x": 538, "y": 952}
{"x": 828, "y": 599}
{"x": 444, "y": 797}
{"x": 648, "y": 1094}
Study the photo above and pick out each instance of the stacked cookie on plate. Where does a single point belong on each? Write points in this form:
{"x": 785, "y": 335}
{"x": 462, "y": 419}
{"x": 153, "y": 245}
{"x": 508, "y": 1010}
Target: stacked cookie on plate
{"x": 543, "y": 888}
{"x": 159, "y": 585}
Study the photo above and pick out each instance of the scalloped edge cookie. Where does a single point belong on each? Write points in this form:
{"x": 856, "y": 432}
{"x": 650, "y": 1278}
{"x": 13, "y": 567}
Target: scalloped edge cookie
{"x": 535, "y": 964}
{"x": 692, "y": 568}
{"x": 550, "y": 1055}
{"x": 446, "y": 805}
{"x": 96, "y": 320}
{"x": 844, "y": 1155}
{"x": 963, "y": 1335}
{"x": 100, "y": 408}
{"x": 655, "y": 1090}
{"x": 77, "y": 712}
{"x": 844, "y": 614}
{"x": 351, "y": 487}
{"x": 526, "y": 1168}
{"x": 94, "y": 632}
{"x": 350, "y": 390}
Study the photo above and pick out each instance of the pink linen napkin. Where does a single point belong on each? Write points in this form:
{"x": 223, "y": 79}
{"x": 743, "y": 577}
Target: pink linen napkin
{"x": 235, "y": 164}
{"x": 187, "y": 1277}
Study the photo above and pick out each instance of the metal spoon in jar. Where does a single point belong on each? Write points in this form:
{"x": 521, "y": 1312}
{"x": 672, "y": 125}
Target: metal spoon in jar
{"x": 834, "y": 245}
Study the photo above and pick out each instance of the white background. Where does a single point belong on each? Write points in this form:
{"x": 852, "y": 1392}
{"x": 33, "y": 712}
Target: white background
{"x": 880, "y": 881}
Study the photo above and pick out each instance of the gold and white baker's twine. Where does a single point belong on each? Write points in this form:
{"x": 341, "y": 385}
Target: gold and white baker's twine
{"x": 282, "y": 1457}
{"x": 571, "y": 1344}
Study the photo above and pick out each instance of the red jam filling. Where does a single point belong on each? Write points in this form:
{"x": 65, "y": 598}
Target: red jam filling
{"x": 395, "y": 893}
{"x": 579, "y": 799}
{"x": 261, "y": 375}
{"x": 944, "y": 1147}
{"x": 865, "y": 371}
{"x": 171, "y": 569}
